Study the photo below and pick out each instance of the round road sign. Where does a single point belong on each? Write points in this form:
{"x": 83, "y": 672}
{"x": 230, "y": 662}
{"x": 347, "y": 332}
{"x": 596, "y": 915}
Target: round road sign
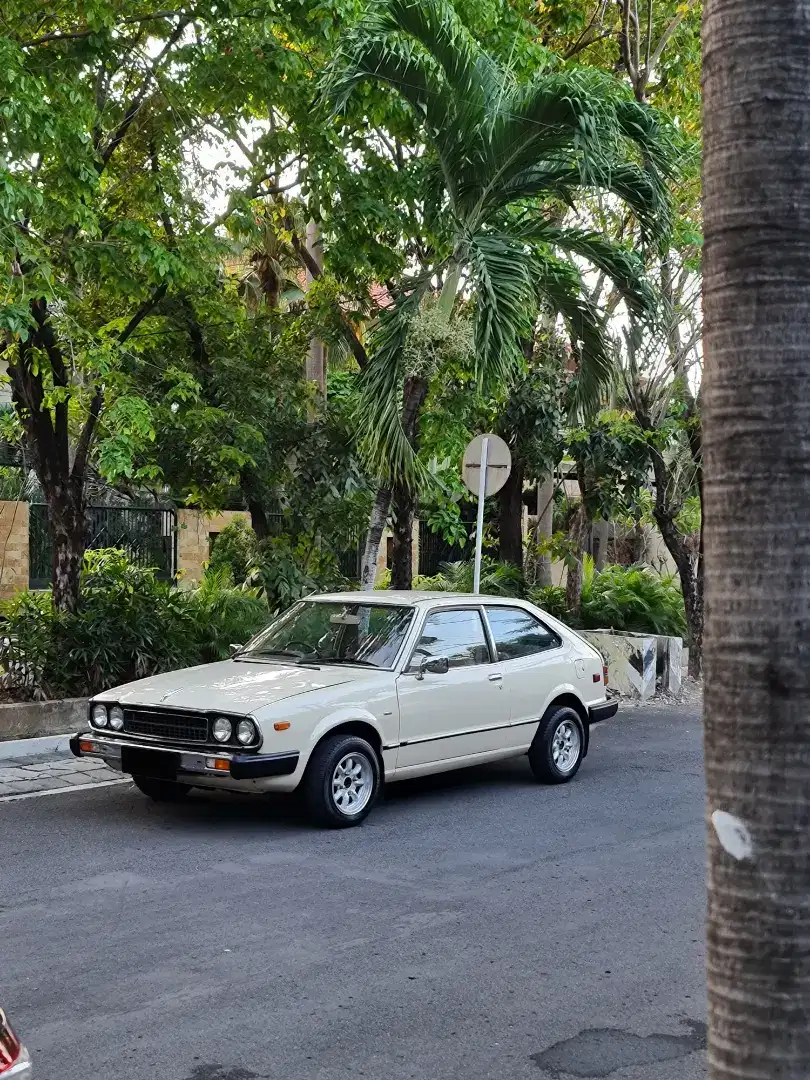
{"x": 499, "y": 464}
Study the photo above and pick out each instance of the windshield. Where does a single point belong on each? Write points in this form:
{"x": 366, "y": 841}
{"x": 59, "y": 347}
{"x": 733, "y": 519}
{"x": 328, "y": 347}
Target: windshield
{"x": 334, "y": 633}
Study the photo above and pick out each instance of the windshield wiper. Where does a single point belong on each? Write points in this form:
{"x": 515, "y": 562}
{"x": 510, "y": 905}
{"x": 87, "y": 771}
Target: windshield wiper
{"x": 268, "y": 654}
{"x": 347, "y": 660}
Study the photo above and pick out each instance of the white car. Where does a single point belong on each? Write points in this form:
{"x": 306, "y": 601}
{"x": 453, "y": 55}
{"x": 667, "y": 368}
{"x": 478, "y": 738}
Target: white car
{"x": 347, "y": 691}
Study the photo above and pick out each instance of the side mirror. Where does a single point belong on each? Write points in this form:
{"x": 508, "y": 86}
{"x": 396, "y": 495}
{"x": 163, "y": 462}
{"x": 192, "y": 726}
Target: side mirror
{"x": 234, "y": 649}
{"x": 434, "y": 665}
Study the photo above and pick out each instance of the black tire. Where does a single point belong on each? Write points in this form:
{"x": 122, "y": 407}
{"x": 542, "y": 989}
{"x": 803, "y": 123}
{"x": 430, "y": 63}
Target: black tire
{"x": 542, "y": 751}
{"x": 320, "y": 781}
{"x": 161, "y": 790}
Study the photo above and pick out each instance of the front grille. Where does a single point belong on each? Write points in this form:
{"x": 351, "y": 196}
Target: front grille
{"x": 178, "y": 727}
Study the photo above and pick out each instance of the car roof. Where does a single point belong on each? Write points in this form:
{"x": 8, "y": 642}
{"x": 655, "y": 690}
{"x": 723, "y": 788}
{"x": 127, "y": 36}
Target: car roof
{"x": 409, "y": 599}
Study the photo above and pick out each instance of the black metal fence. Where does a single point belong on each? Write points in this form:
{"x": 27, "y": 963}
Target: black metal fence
{"x": 434, "y": 550}
{"x": 147, "y": 533}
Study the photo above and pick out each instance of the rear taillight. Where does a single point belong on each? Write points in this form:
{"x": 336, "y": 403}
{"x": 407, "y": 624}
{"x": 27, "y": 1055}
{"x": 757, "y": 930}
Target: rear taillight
{"x": 10, "y": 1048}
{"x": 605, "y": 673}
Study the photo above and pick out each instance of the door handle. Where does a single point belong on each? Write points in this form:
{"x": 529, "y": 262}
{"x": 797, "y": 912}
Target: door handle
{"x": 495, "y": 678}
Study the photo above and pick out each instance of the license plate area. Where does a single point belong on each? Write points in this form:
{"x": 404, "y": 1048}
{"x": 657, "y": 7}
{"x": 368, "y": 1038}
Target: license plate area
{"x": 155, "y": 763}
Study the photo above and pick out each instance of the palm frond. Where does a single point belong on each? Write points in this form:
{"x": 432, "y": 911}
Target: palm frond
{"x": 563, "y": 109}
{"x": 425, "y": 53}
{"x": 384, "y": 445}
{"x": 436, "y": 26}
{"x": 500, "y": 270}
{"x": 561, "y": 284}
{"x": 373, "y": 51}
{"x": 624, "y": 268}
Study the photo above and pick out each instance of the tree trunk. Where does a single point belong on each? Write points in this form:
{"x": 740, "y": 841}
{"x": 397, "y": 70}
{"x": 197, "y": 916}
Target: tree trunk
{"x": 691, "y": 579}
{"x": 258, "y": 518}
{"x": 573, "y": 581}
{"x": 510, "y": 518}
{"x": 545, "y": 529}
{"x": 414, "y": 393}
{"x": 599, "y": 541}
{"x": 402, "y": 537}
{"x": 756, "y": 396}
{"x": 66, "y": 523}
{"x": 376, "y": 528}
{"x": 315, "y": 366}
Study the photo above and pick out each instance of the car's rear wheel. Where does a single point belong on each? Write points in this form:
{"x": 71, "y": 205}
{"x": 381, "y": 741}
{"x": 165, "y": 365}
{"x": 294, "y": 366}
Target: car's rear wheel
{"x": 161, "y": 790}
{"x": 342, "y": 781}
{"x": 558, "y": 747}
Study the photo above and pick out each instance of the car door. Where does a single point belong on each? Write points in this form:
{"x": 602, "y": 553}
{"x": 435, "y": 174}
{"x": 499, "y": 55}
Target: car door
{"x": 534, "y": 661}
{"x": 462, "y": 712}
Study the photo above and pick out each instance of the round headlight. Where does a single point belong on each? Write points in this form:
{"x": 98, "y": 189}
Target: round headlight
{"x": 246, "y": 732}
{"x": 99, "y": 716}
{"x": 117, "y": 718}
{"x": 222, "y": 729}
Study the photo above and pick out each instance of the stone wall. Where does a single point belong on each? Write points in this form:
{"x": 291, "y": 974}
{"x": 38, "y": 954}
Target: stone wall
{"x": 194, "y": 531}
{"x": 13, "y": 548}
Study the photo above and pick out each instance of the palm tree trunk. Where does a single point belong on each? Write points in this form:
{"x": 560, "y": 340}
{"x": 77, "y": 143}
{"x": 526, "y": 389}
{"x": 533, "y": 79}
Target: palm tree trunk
{"x": 510, "y": 518}
{"x": 545, "y": 528}
{"x": 757, "y": 492}
{"x": 402, "y": 534}
{"x": 414, "y": 392}
{"x": 376, "y": 528}
{"x": 573, "y": 582}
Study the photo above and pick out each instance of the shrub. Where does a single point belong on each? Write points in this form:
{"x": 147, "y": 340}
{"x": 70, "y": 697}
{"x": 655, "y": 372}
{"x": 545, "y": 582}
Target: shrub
{"x": 235, "y": 549}
{"x": 225, "y": 614}
{"x": 497, "y": 579}
{"x": 550, "y": 598}
{"x": 632, "y": 598}
{"x": 128, "y": 626}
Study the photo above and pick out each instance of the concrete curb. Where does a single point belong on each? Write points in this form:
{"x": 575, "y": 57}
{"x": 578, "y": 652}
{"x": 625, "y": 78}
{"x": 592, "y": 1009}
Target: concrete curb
{"x": 35, "y": 719}
{"x": 15, "y": 749}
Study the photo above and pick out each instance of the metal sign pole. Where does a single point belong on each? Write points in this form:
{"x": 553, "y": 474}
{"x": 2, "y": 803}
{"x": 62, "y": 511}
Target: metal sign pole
{"x": 479, "y": 528}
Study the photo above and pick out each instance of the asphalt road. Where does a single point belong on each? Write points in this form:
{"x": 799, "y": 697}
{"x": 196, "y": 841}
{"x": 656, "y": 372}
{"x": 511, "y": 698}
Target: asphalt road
{"x": 477, "y": 925}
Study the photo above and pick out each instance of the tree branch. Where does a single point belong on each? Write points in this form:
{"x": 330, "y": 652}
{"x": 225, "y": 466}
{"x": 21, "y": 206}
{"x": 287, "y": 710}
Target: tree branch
{"x": 624, "y": 40}
{"x": 667, "y": 34}
{"x": 138, "y": 100}
{"x": 74, "y": 35}
{"x": 86, "y": 439}
{"x": 146, "y": 307}
{"x": 580, "y": 45}
{"x": 636, "y": 39}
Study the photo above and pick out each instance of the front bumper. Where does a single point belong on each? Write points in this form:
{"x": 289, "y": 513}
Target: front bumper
{"x": 603, "y": 711}
{"x": 212, "y": 764}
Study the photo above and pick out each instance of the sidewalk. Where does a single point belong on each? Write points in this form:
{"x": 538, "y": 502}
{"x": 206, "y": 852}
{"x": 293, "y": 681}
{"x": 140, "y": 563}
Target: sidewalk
{"x": 51, "y": 772}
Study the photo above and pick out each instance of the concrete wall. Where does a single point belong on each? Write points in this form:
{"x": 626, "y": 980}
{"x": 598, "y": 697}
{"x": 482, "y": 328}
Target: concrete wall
{"x": 631, "y": 661}
{"x": 13, "y": 548}
{"x": 382, "y": 553}
{"x": 194, "y": 531}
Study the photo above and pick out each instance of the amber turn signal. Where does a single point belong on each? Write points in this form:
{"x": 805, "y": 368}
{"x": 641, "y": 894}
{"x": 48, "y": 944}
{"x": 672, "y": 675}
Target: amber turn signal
{"x": 281, "y": 725}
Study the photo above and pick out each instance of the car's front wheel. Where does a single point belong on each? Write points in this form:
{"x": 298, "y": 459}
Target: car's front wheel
{"x": 161, "y": 790}
{"x": 557, "y": 749}
{"x": 342, "y": 781}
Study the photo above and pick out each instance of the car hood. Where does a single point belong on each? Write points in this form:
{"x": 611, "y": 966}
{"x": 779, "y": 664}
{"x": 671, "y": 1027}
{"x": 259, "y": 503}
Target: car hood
{"x": 231, "y": 686}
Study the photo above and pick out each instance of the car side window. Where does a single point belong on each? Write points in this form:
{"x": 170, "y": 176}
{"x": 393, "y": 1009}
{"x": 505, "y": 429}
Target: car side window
{"x": 457, "y": 634}
{"x": 517, "y": 633}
